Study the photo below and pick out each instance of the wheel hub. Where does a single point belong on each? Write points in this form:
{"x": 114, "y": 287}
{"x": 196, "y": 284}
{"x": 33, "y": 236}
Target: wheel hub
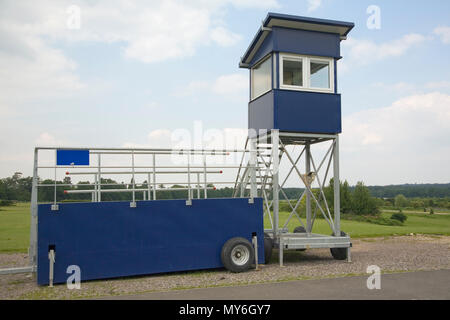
{"x": 240, "y": 255}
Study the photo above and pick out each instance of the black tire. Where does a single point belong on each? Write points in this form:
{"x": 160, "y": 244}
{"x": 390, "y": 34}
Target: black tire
{"x": 339, "y": 253}
{"x": 268, "y": 246}
{"x": 300, "y": 229}
{"x": 237, "y": 255}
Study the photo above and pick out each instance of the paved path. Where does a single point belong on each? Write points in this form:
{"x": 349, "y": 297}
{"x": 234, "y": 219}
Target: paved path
{"x": 410, "y": 285}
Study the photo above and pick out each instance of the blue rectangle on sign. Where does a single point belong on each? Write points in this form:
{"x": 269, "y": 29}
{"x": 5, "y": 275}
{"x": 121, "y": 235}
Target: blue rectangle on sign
{"x": 65, "y": 157}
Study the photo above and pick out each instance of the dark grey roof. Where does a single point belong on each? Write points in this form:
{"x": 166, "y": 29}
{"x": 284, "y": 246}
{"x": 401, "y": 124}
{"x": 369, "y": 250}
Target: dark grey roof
{"x": 294, "y": 22}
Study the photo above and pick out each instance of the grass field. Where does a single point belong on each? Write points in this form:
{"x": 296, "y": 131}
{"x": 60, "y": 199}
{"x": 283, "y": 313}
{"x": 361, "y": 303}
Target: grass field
{"x": 416, "y": 223}
{"x": 15, "y": 226}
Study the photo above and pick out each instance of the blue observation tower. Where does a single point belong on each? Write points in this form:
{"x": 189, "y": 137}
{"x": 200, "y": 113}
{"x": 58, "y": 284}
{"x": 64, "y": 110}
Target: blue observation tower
{"x": 294, "y": 106}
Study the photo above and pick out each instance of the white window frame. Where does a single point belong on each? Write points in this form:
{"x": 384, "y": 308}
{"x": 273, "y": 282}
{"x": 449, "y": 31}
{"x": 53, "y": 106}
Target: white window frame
{"x": 306, "y": 61}
{"x": 251, "y": 78}
{"x": 292, "y": 58}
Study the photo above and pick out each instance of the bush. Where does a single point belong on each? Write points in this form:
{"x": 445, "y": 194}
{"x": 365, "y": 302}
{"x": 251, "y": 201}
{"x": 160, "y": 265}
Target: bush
{"x": 399, "y": 217}
{"x": 377, "y": 219}
{"x": 6, "y": 203}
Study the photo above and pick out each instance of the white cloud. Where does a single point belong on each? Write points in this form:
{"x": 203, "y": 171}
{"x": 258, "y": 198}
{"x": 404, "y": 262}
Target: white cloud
{"x": 46, "y": 139}
{"x": 230, "y": 85}
{"x": 405, "y": 142}
{"x": 150, "y": 31}
{"x": 224, "y": 37}
{"x": 409, "y": 88}
{"x": 443, "y": 33}
{"x": 363, "y": 52}
{"x": 261, "y": 4}
{"x": 30, "y": 69}
{"x": 314, "y": 5}
{"x": 438, "y": 85}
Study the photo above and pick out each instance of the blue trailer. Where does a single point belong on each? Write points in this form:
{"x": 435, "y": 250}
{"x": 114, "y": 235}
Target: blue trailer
{"x": 145, "y": 235}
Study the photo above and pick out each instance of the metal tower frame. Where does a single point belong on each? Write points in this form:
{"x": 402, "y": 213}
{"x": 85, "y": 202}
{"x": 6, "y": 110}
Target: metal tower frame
{"x": 267, "y": 182}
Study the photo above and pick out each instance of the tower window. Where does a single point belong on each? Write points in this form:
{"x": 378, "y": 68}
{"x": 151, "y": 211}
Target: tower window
{"x": 306, "y": 73}
{"x": 261, "y": 78}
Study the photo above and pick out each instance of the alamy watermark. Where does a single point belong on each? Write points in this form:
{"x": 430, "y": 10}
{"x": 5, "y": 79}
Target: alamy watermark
{"x": 374, "y": 19}
{"x": 73, "y": 21}
{"x": 374, "y": 281}
{"x": 74, "y": 280}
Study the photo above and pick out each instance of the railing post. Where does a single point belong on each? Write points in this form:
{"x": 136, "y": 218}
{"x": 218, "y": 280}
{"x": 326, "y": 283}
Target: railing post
{"x": 34, "y": 209}
{"x": 204, "y": 175}
{"x": 133, "y": 203}
{"x": 154, "y": 176}
{"x": 55, "y": 206}
{"x": 198, "y": 185}
{"x": 189, "y": 201}
{"x": 99, "y": 182}
{"x": 148, "y": 187}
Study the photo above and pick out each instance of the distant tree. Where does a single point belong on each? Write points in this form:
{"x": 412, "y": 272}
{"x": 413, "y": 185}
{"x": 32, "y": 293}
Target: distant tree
{"x": 363, "y": 202}
{"x": 345, "y": 196}
{"x": 401, "y": 201}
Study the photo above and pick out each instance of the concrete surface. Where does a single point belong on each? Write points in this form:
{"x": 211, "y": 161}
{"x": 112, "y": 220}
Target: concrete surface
{"x": 409, "y": 285}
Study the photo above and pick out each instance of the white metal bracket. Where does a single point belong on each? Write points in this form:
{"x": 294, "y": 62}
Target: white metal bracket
{"x": 55, "y": 207}
{"x": 133, "y": 205}
{"x": 189, "y": 202}
{"x": 51, "y": 258}
{"x": 251, "y": 200}
{"x": 255, "y": 245}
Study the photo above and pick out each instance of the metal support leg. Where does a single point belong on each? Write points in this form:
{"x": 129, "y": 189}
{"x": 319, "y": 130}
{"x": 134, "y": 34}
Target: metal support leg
{"x": 253, "y": 157}
{"x": 308, "y": 195}
{"x": 275, "y": 135}
{"x": 349, "y": 256}
{"x": 337, "y": 200}
{"x": 280, "y": 251}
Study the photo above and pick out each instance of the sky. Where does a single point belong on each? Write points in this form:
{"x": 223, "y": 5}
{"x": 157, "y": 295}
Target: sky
{"x": 141, "y": 73}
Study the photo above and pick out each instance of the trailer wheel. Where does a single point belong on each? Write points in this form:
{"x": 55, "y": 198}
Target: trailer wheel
{"x": 237, "y": 255}
{"x": 339, "y": 253}
{"x": 300, "y": 229}
{"x": 268, "y": 245}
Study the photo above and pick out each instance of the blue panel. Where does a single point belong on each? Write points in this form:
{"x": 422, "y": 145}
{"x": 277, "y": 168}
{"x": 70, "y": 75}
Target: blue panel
{"x": 306, "y": 42}
{"x": 260, "y": 113}
{"x": 110, "y": 239}
{"x": 307, "y": 111}
{"x": 65, "y": 157}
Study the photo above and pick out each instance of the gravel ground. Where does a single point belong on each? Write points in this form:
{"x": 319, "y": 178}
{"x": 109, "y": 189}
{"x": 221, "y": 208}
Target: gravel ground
{"x": 391, "y": 254}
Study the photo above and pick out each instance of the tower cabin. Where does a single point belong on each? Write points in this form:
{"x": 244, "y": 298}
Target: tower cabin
{"x": 293, "y": 87}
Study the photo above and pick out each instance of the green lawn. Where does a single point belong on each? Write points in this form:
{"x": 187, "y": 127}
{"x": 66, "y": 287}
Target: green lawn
{"x": 416, "y": 223}
{"x": 15, "y": 226}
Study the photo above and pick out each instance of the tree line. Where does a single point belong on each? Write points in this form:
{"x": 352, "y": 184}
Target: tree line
{"x": 358, "y": 199}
